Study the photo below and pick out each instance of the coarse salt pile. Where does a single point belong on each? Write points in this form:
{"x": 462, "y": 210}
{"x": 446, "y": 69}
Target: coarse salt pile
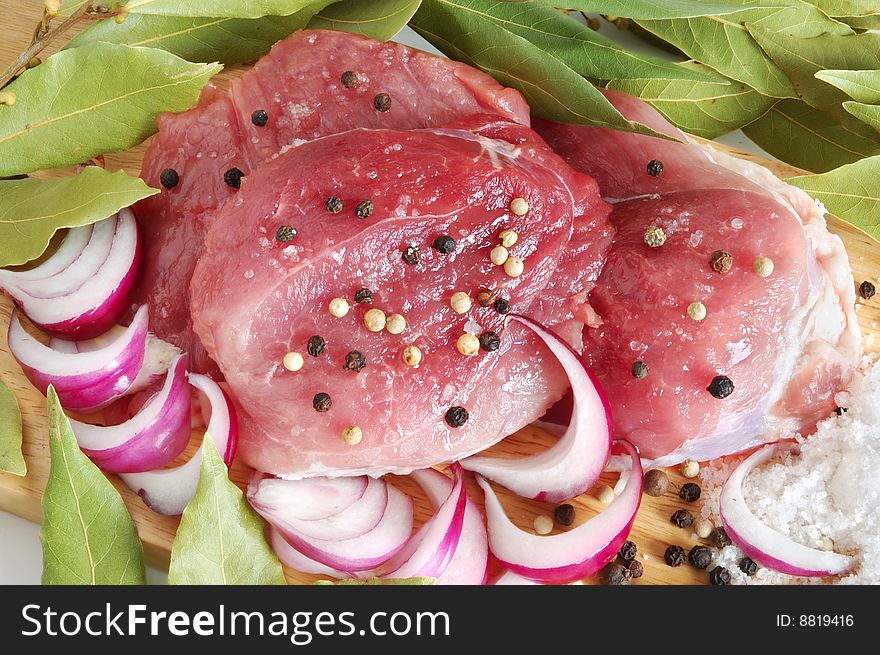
{"x": 826, "y": 497}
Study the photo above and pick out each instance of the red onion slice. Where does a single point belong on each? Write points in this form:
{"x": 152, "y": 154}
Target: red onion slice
{"x": 291, "y": 557}
{"x": 87, "y": 296}
{"x": 360, "y": 553}
{"x": 470, "y": 562}
{"x": 150, "y": 439}
{"x": 432, "y": 548}
{"x": 761, "y": 542}
{"x": 168, "y": 491}
{"x": 574, "y": 554}
{"x": 68, "y": 252}
{"x": 574, "y": 463}
{"x": 511, "y": 578}
{"x": 358, "y": 518}
{"x": 307, "y": 499}
{"x": 84, "y": 381}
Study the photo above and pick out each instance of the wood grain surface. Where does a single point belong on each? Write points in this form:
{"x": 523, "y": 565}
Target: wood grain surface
{"x": 652, "y": 531}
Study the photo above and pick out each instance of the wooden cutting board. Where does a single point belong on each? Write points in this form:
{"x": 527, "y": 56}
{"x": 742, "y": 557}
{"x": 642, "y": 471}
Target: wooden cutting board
{"x": 652, "y": 531}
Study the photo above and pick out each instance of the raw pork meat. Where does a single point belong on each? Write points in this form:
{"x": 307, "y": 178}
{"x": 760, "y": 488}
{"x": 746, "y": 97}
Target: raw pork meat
{"x": 299, "y": 85}
{"x": 255, "y": 299}
{"x": 788, "y": 342}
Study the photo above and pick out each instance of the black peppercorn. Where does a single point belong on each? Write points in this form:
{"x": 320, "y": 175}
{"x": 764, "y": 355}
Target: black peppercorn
{"x": 502, "y": 306}
{"x": 682, "y": 518}
{"x": 840, "y": 410}
{"x": 355, "y": 360}
{"x": 689, "y": 492}
{"x": 635, "y": 569}
{"x": 627, "y": 551}
{"x": 349, "y": 79}
{"x": 564, "y": 514}
{"x": 363, "y": 295}
{"x": 655, "y": 167}
{"x": 485, "y": 297}
{"x": 489, "y": 341}
{"x": 322, "y": 402}
{"x": 411, "y": 255}
{"x": 615, "y": 574}
{"x": 315, "y": 346}
{"x": 721, "y": 386}
{"x": 456, "y": 416}
{"x": 364, "y": 209}
{"x": 867, "y": 290}
{"x": 721, "y": 261}
{"x": 748, "y": 566}
{"x": 639, "y": 370}
{"x": 700, "y": 557}
{"x": 720, "y": 538}
{"x": 232, "y": 177}
{"x": 260, "y": 118}
{"x": 674, "y": 556}
{"x": 333, "y": 204}
{"x": 719, "y": 576}
{"x": 169, "y": 178}
{"x": 285, "y": 233}
{"x": 656, "y": 483}
{"x": 444, "y": 244}
{"x": 382, "y": 102}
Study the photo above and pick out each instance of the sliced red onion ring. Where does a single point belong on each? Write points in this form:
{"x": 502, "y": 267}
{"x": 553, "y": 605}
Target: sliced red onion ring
{"x": 84, "y": 381}
{"x": 360, "y": 553}
{"x": 150, "y": 439}
{"x": 353, "y": 521}
{"x": 432, "y": 548}
{"x": 68, "y": 252}
{"x": 761, "y": 542}
{"x": 81, "y": 297}
{"x": 168, "y": 491}
{"x": 511, "y": 578}
{"x": 291, "y": 557}
{"x": 574, "y": 463}
{"x": 574, "y": 554}
{"x": 470, "y": 562}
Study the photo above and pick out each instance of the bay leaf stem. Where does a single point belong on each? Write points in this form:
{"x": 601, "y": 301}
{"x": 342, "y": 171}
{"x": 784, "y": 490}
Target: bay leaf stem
{"x": 42, "y": 38}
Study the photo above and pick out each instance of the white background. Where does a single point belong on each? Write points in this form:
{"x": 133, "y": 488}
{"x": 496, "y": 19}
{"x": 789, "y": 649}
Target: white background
{"x": 20, "y": 551}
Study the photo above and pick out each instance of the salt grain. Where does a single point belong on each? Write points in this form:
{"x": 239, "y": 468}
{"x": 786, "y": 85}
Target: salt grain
{"x": 829, "y": 492}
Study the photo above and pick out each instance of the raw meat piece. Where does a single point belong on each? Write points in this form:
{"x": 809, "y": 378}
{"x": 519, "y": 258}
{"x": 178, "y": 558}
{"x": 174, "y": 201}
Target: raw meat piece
{"x": 788, "y": 342}
{"x": 299, "y": 86}
{"x": 255, "y": 299}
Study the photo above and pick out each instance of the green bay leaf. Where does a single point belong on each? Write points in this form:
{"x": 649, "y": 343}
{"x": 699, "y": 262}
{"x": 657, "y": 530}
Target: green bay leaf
{"x": 850, "y": 192}
{"x": 860, "y": 85}
{"x": 868, "y": 114}
{"x": 707, "y": 110}
{"x": 31, "y": 210}
{"x": 583, "y": 50}
{"x": 377, "y": 19}
{"x": 724, "y": 43}
{"x": 11, "y": 458}
{"x": 88, "y": 536}
{"x": 220, "y": 540}
{"x": 646, "y": 9}
{"x": 803, "y": 58}
{"x": 809, "y": 138}
{"x": 552, "y": 89}
{"x": 227, "y": 40}
{"x": 84, "y": 102}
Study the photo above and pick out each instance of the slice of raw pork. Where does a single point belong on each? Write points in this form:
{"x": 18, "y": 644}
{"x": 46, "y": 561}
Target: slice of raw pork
{"x": 788, "y": 341}
{"x": 255, "y": 299}
{"x": 300, "y": 87}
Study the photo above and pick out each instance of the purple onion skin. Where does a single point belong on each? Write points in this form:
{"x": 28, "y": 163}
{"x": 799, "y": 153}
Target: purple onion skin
{"x": 770, "y": 562}
{"x": 160, "y": 441}
{"x": 96, "y": 321}
{"x": 232, "y": 440}
{"x": 95, "y": 390}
